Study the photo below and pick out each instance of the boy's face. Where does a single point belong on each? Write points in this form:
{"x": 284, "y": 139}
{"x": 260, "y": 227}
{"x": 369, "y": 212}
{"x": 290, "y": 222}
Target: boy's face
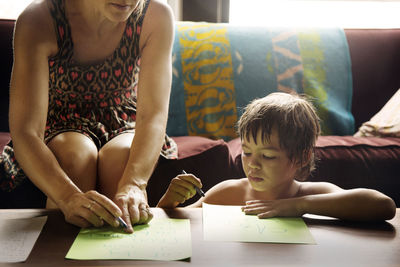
{"x": 267, "y": 166}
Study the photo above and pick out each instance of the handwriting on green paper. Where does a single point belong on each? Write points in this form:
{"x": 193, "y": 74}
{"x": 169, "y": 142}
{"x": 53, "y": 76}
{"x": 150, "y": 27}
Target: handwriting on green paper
{"x": 161, "y": 239}
{"x": 229, "y": 223}
{"x": 107, "y": 232}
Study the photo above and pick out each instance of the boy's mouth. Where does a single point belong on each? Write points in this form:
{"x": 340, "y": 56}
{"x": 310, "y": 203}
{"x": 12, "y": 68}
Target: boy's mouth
{"x": 255, "y": 179}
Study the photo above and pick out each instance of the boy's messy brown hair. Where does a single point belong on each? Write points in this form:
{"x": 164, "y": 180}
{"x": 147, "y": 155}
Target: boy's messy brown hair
{"x": 296, "y": 123}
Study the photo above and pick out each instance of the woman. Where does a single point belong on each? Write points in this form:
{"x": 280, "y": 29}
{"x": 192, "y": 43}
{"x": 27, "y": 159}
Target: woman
{"x": 87, "y": 126}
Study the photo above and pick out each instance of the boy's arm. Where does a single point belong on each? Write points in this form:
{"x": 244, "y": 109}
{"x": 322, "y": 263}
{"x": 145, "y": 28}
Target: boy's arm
{"x": 358, "y": 204}
{"x": 328, "y": 200}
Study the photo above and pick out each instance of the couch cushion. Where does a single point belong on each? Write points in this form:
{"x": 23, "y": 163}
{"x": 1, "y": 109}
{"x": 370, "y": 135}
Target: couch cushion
{"x": 359, "y": 162}
{"x": 350, "y": 162}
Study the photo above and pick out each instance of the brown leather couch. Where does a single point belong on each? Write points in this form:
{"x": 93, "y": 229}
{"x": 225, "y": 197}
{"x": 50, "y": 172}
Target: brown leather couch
{"x": 343, "y": 160}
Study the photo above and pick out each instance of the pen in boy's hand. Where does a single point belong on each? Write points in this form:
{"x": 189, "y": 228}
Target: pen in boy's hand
{"x": 122, "y": 223}
{"x": 198, "y": 190}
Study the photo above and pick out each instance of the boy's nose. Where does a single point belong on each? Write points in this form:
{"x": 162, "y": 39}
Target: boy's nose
{"x": 254, "y": 164}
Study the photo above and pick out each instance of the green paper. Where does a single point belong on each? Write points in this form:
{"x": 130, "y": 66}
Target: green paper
{"x": 229, "y": 223}
{"x": 161, "y": 239}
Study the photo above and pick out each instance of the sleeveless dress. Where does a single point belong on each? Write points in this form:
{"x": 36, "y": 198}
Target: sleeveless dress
{"x": 97, "y": 100}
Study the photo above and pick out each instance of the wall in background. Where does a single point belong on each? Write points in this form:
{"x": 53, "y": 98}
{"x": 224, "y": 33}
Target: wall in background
{"x": 176, "y": 6}
{"x": 316, "y": 13}
{"x": 206, "y": 10}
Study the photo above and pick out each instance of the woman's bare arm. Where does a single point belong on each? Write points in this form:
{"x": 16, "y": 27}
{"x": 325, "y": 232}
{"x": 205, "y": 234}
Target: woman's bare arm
{"x": 152, "y": 110}
{"x": 33, "y": 44}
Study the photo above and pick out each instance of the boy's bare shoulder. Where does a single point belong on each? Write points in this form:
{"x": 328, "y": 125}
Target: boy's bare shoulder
{"x": 314, "y": 188}
{"x": 228, "y": 192}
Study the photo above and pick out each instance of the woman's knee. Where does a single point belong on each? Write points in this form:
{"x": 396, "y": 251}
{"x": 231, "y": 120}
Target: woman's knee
{"x": 77, "y": 156}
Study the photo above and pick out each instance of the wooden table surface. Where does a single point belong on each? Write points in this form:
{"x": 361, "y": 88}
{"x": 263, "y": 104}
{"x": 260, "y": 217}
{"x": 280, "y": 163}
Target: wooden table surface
{"x": 339, "y": 243}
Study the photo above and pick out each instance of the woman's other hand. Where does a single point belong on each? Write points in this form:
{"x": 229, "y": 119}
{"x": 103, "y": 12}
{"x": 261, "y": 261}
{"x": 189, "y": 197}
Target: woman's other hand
{"x": 133, "y": 203}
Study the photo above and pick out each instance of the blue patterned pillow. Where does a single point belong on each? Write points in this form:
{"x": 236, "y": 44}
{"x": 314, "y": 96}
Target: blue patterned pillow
{"x": 219, "y": 68}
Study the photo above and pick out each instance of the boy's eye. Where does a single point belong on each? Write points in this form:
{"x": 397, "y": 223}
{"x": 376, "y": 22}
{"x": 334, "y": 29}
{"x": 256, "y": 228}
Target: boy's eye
{"x": 268, "y": 157}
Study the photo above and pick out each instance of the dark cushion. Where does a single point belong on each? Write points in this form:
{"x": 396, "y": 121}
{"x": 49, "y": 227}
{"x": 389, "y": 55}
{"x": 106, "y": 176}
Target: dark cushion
{"x": 350, "y": 162}
{"x": 369, "y": 162}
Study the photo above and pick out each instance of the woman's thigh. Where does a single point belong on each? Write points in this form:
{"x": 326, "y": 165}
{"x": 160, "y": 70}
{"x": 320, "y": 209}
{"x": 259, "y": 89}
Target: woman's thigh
{"x": 77, "y": 155}
{"x": 113, "y": 157}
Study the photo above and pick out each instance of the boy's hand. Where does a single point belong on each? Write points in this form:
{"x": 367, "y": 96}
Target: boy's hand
{"x": 181, "y": 188}
{"x": 273, "y": 208}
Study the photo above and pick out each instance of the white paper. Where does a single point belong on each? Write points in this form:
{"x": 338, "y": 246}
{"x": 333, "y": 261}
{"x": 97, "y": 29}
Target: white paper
{"x": 17, "y": 237}
{"x": 229, "y": 223}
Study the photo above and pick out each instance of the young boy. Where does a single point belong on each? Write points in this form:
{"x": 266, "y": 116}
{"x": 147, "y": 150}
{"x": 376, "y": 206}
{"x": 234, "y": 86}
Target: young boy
{"x": 278, "y": 135}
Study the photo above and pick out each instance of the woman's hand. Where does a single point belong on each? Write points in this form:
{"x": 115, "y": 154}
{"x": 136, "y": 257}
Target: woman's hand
{"x": 273, "y": 208}
{"x": 181, "y": 188}
{"x": 90, "y": 209}
{"x": 133, "y": 203}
